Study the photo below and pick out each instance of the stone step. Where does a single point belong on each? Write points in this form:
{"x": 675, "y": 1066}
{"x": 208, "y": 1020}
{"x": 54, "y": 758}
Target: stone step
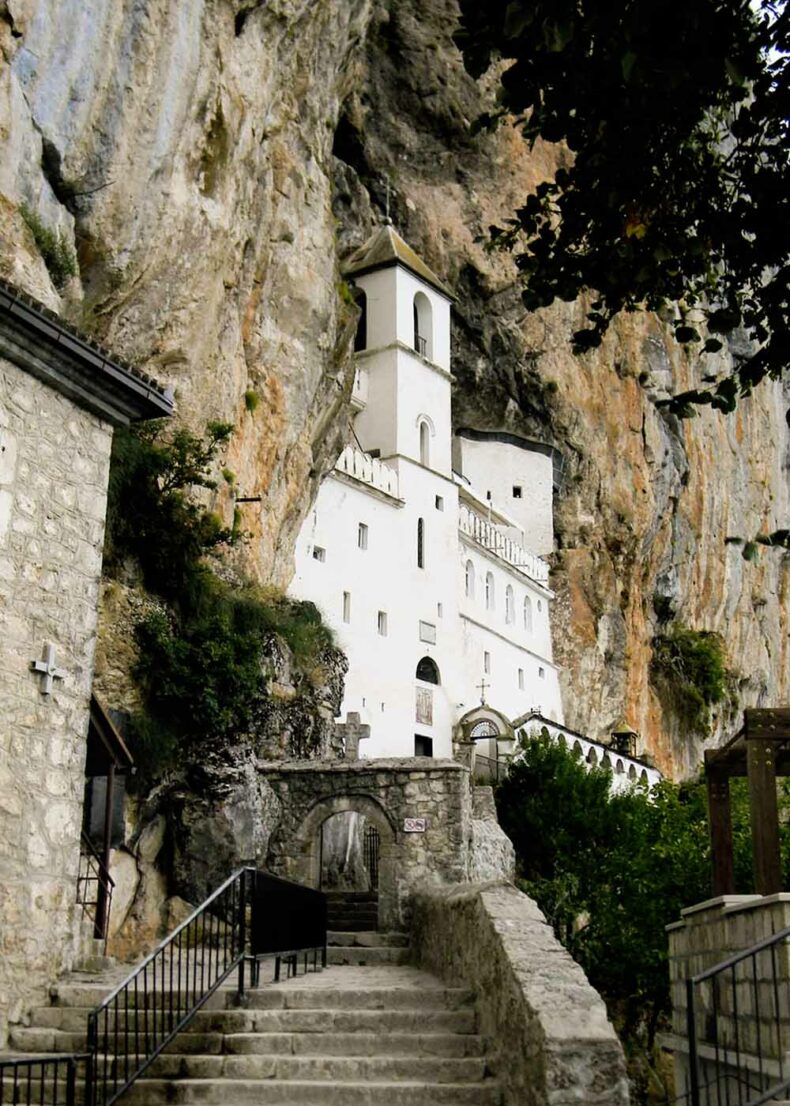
{"x": 332, "y": 1068}
{"x": 275, "y": 1092}
{"x": 367, "y": 1018}
{"x": 36, "y": 1040}
{"x": 367, "y": 938}
{"x": 366, "y": 956}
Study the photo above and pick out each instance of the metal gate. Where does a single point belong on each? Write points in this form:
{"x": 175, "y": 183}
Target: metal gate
{"x": 370, "y": 855}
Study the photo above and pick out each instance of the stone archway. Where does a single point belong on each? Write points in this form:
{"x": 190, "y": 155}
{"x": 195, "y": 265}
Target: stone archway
{"x": 308, "y": 848}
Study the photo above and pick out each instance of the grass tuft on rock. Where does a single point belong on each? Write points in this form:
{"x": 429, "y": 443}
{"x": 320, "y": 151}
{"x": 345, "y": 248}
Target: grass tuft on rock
{"x": 56, "y": 251}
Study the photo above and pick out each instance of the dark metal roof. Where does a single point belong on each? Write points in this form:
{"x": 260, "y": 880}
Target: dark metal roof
{"x": 41, "y": 343}
{"x": 386, "y": 248}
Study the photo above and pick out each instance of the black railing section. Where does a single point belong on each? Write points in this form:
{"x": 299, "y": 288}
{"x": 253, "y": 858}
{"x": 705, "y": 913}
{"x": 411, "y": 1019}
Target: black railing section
{"x": 421, "y": 345}
{"x": 738, "y": 1027}
{"x": 250, "y": 916}
{"x": 34, "y": 1081}
{"x": 371, "y": 846}
{"x": 94, "y": 888}
{"x": 489, "y": 769}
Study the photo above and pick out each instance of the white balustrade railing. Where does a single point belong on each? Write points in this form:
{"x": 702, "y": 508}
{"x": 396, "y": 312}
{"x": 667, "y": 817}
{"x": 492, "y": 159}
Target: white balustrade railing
{"x": 361, "y": 466}
{"x": 491, "y": 537}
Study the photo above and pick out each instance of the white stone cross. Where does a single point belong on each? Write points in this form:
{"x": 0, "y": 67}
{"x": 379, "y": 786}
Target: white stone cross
{"x": 352, "y": 731}
{"x": 483, "y": 686}
{"x": 47, "y": 669}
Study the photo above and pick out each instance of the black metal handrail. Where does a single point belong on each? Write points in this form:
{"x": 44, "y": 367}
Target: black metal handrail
{"x": 40, "y": 1080}
{"x": 93, "y": 871}
{"x": 735, "y": 1015}
{"x": 253, "y": 914}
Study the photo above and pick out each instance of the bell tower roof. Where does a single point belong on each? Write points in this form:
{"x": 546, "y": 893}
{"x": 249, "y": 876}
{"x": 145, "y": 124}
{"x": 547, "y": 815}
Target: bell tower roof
{"x": 385, "y": 248}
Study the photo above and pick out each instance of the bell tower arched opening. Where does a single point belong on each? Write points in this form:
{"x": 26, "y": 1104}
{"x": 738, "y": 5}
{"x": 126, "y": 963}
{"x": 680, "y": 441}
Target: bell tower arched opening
{"x": 423, "y": 325}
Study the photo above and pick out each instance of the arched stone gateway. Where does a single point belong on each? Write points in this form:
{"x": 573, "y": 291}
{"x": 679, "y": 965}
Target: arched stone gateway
{"x": 421, "y": 812}
{"x": 308, "y": 845}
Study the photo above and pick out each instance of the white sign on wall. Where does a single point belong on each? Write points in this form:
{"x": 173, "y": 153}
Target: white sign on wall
{"x": 414, "y": 825}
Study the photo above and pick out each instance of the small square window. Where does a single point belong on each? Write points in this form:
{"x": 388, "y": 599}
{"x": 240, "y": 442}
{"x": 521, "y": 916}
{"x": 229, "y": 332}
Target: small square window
{"x": 319, "y": 553}
{"x": 487, "y": 663}
{"x": 439, "y": 503}
{"x": 517, "y": 491}
{"x": 346, "y": 606}
{"x": 521, "y": 679}
{"x": 362, "y": 536}
{"x": 423, "y": 746}
{"x": 542, "y": 673}
{"x": 382, "y": 623}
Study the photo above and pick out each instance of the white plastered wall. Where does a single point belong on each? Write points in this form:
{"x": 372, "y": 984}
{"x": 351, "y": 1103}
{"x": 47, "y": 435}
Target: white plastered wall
{"x": 498, "y": 467}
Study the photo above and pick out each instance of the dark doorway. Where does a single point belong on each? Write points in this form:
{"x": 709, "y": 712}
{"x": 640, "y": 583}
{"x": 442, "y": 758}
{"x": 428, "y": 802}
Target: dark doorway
{"x": 423, "y": 746}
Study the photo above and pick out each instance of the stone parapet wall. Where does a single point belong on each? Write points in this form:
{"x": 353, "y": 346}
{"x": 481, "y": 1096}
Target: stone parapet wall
{"x": 54, "y": 464}
{"x": 546, "y": 1029}
{"x": 389, "y": 793}
{"x": 736, "y": 1017}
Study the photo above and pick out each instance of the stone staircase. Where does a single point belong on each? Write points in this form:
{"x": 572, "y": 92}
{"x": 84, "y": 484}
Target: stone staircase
{"x": 369, "y": 1030}
{"x": 352, "y": 910}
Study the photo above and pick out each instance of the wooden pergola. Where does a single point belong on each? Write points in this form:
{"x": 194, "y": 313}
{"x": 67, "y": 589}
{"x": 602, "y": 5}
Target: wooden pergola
{"x": 761, "y": 752}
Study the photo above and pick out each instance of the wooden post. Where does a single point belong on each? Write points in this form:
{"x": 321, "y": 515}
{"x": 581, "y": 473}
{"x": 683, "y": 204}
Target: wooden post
{"x": 761, "y": 770}
{"x": 102, "y": 897}
{"x": 720, "y": 818}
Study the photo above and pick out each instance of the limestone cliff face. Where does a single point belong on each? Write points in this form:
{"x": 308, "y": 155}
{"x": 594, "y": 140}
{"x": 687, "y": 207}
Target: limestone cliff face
{"x": 213, "y": 161}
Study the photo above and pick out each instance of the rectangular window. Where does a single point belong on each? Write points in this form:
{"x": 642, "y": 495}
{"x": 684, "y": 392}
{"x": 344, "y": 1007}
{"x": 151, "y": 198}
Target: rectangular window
{"x": 319, "y": 553}
{"x": 362, "y": 536}
{"x": 346, "y": 606}
{"x": 517, "y": 491}
{"x": 487, "y": 663}
{"x": 428, "y": 633}
{"x": 439, "y": 610}
{"x": 521, "y": 679}
{"x": 542, "y": 673}
{"x": 420, "y": 543}
{"x": 423, "y": 746}
{"x": 382, "y": 623}
{"x": 439, "y": 503}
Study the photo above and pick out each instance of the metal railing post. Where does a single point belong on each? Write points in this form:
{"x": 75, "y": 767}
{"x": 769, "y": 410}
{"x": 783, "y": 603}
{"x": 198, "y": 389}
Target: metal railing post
{"x": 242, "y": 929}
{"x": 691, "y": 1031}
{"x": 71, "y": 1082}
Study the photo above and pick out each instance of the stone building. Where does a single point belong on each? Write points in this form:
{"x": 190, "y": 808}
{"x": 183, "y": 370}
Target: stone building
{"x": 423, "y": 549}
{"x": 60, "y": 397}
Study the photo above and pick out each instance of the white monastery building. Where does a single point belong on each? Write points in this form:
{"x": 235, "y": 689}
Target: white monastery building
{"x": 423, "y": 551}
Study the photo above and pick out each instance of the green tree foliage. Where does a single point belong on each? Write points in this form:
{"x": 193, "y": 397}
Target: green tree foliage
{"x": 674, "y": 185}
{"x": 611, "y": 871}
{"x": 690, "y": 665}
{"x": 202, "y": 666}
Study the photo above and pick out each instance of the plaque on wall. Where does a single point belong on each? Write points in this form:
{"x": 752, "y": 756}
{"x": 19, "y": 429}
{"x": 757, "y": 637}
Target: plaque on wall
{"x": 424, "y": 714}
{"x": 414, "y": 825}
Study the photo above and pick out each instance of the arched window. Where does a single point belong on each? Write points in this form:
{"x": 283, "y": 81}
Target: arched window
{"x": 420, "y": 543}
{"x": 425, "y": 443}
{"x": 632, "y": 772}
{"x": 619, "y": 768}
{"x": 528, "y": 614}
{"x": 427, "y": 671}
{"x": 469, "y": 580}
{"x": 510, "y": 605}
{"x": 592, "y": 757}
{"x": 423, "y": 326}
{"x": 361, "y": 336}
{"x": 490, "y": 591}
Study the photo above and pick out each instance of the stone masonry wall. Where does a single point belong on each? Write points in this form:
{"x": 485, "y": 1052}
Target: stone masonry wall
{"x": 54, "y": 464}
{"x": 708, "y": 934}
{"x": 546, "y": 1029}
{"x": 387, "y": 793}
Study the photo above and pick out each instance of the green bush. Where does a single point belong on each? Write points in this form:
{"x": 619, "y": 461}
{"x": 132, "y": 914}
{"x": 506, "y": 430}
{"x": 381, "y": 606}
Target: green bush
{"x": 202, "y": 663}
{"x": 55, "y": 250}
{"x": 251, "y": 400}
{"x": 610, "y": 871}
{"x": 690, "y": 666}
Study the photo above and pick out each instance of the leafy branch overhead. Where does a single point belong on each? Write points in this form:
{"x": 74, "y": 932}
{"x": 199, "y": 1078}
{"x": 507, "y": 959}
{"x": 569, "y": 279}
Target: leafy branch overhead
{"x": 673, "y": 186}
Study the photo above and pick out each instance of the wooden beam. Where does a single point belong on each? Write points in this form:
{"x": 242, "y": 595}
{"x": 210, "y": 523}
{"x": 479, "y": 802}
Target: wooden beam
{"x": 773, "y": 724}
{"x": 720, "y": 818}
{"x": 761, "y": 769}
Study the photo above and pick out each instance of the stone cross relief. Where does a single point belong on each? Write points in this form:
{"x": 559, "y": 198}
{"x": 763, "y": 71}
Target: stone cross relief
{"x": 352, "y": 731}
{"x": 47, "y": 669}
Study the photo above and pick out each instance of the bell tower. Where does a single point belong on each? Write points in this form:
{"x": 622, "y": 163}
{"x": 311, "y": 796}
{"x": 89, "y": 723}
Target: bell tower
{"x": 404, "y": 367}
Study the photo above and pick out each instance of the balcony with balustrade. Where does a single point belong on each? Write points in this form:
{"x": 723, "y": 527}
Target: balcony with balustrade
{"x": 490, "y": 537}
{"x": 357, "y": 465}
